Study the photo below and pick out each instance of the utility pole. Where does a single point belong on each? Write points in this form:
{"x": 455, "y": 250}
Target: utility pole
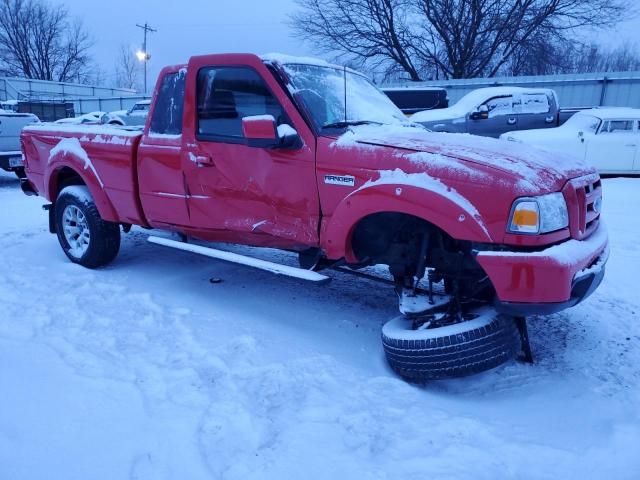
{"x": 144, "y": 55}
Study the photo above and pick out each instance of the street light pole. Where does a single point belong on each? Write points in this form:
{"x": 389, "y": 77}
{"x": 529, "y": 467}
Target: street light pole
{"x": 144, "y": 55}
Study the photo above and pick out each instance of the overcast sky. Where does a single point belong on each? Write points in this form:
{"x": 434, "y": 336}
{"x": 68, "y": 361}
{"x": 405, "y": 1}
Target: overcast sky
{"x": 186, "y": 28}
{"x": 190, "y": 27}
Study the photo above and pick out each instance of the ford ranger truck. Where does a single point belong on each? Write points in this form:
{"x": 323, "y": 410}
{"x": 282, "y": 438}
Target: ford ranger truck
{"x": 301, "y": 155}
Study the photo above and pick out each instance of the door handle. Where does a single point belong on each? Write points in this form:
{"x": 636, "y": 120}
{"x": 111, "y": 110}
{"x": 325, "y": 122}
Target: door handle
{"x": 631, "y": 145}
{"x": 202, "y": 160}
{"x": 512, "y": 121}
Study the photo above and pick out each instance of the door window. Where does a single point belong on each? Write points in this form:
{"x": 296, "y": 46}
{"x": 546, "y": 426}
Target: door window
{"x": 534, "y": 103}
{"x": 228, "y": 94}
{"x": 167, "y": 114}
{"x": 617, "y": 126}
{"x": 500, "y": 106}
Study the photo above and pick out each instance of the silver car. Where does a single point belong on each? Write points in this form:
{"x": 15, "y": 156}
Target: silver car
{"x": 492, "y": 111}
{"x": 11, "y": 125}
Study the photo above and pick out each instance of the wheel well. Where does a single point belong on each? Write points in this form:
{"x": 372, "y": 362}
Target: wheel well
{"x": 409, "y": 244}
{"x": 392, "y": 239}
{"x": 65, "y": 177}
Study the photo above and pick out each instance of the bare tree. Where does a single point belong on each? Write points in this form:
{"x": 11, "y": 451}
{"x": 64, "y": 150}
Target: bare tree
{"x": 41, "y": 41}
{"x": 127, "y": 69}
{"x": 546, "y": 56}
{"x": 444, "y": 38}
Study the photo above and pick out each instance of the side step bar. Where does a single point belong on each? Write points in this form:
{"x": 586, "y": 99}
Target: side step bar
{"x": 276, "y": 268}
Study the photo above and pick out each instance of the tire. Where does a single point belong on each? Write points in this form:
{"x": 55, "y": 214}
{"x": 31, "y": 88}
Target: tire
{"x": 452, "y": 351}
{"x": 76, "y": 216}
{"x": 20, "y": 173}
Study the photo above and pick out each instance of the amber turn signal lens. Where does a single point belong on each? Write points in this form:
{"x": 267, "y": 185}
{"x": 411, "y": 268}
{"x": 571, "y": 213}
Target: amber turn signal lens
{"x": 527, "y": 218}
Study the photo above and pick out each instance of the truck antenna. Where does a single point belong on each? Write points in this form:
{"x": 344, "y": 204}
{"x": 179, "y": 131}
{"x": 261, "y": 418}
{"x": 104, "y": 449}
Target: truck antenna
{"x": 345, "y": 92}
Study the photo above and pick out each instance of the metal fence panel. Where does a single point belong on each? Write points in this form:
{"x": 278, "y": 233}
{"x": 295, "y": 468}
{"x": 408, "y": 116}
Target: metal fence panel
{"x": 24, "y": 88}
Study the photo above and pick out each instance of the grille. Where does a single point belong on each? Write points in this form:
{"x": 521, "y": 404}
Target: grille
{"x": 587, "y": 201}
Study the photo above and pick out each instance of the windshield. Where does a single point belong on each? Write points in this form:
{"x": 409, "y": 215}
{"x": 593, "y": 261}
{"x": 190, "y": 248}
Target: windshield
{"x": 583, "y": 122}
{"x": 140, "y": 107}
{"x": 322, "y": 90}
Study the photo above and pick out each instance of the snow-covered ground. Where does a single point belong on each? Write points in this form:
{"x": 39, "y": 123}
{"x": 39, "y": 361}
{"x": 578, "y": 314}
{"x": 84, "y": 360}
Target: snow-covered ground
{"x": 146, "y": 370}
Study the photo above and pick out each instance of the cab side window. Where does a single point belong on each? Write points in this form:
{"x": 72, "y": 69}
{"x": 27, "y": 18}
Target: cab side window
{"x": 228, "y": 94}
{"x": 534, "y": 103}
{"x": 167, "y": 114}
{"x": 500, "y": 106}
{"x": 617, "y": 126}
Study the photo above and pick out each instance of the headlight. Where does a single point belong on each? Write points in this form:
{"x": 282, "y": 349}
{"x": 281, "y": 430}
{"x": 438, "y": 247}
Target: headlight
{"x": 543, "y": 214}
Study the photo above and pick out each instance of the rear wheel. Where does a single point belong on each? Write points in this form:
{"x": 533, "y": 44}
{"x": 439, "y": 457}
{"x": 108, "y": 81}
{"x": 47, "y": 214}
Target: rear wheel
{"x": 419, "y": 353}
{"x": 20, "y": 173}
{"x": 85, "y": 237}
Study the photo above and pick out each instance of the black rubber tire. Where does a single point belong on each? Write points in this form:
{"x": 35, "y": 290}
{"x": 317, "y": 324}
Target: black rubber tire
{"x": 452, "y": 351}
{"x": 20, "y": 173}
{"x": 104, "y": 240}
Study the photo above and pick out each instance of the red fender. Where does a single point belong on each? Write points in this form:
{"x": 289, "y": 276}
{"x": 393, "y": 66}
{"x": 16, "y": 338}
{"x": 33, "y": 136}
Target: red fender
{"x": 455, "y": 217}
{"x": 68, "y": 159}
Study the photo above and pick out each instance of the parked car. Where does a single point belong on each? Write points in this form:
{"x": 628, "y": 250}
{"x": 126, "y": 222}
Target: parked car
{"x": 411, "y": 99}
{"x": 136, "y": 115}
{"x": 607, "y": 138}
{"x": 267, "y": 151}
{"x": 91, "y": 117}
{"x": 493, "y": 111}
{"x": 45, "y": 110}
{"x": 11, "y": 125}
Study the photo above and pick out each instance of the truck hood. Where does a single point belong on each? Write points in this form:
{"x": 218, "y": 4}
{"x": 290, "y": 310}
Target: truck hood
{"x": 541, "y": 136}
{"x": 440, "y": 115}
{"x": 476, "y": 158}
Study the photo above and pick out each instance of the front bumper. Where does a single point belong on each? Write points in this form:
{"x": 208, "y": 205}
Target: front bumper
{"x": 547, "y": 281}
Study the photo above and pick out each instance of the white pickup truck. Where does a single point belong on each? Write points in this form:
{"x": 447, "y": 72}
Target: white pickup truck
{"x": 11, "y": 125}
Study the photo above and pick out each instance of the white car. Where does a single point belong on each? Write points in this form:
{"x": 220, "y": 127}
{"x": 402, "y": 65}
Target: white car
{"x": 607, "y": 138}
{"x": 135, "y": 116}
{"x": 91, "y": 117}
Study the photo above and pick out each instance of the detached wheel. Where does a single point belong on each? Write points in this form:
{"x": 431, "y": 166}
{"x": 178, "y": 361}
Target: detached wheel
{"x": 85, "y": 238}
{"x": 457, "y": 350}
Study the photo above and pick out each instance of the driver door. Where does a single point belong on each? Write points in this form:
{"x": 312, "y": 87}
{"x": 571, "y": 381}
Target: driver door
{"x": 239, "y": 192}
{"x": 501, "y": 118}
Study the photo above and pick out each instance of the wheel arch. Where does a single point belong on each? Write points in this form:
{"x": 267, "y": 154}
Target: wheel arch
{"x": 65, "y": 172}
{"x": 458, "y": 219}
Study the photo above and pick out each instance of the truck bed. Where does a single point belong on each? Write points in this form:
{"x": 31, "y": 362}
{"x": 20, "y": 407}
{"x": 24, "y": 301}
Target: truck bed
{"x": 105, "y": 157}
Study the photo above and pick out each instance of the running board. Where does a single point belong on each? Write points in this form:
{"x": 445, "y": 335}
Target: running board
{"x": 276, "y": 268}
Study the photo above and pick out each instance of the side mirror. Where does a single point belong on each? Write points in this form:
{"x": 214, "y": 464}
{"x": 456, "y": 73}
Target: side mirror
{"x": 289, "y": 138}
{"x": 261, "y": 132}
{"x": 481, "y": 113}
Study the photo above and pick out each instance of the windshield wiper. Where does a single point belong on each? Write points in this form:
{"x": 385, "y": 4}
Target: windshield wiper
{"x": 349, "y": 123}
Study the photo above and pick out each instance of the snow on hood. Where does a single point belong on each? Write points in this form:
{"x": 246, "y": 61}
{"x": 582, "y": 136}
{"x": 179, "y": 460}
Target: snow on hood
{"x": 532, "y": 169}
{"x": 440, "y": 114}
{"x": 540, "y": 135}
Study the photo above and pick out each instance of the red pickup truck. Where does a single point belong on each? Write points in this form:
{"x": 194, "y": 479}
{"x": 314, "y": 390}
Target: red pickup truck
{"x": 302, "y": 155}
